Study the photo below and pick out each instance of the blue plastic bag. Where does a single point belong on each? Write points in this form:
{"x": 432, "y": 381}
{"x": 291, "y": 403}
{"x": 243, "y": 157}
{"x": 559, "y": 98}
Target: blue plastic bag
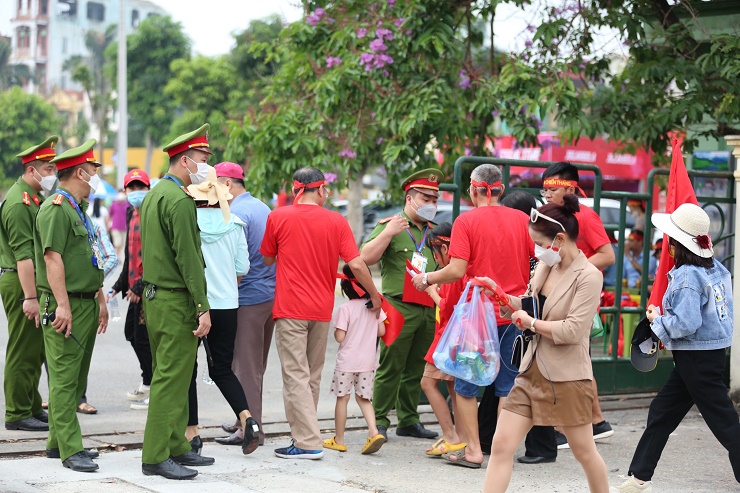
{"x": 469, "y": 348}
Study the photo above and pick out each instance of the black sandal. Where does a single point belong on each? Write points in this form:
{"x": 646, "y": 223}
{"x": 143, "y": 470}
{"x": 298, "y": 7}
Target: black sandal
{"x": 251, "y": 436}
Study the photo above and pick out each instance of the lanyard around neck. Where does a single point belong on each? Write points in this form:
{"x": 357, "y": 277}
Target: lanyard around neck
{"x": 419, "y": 246}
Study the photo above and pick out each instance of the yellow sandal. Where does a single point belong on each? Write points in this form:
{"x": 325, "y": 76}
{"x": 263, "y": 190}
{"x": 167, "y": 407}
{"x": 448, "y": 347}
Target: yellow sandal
{"x": 373, "y": 444}
{"x": 442, "y": 446}
{"x": 331, "y": 443}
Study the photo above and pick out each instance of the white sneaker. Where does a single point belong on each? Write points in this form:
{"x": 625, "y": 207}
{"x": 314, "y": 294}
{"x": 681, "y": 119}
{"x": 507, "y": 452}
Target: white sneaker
{"x": 139, "y": 394}
{"x": 140, "y": 405}
{"x": 632, "y": 486}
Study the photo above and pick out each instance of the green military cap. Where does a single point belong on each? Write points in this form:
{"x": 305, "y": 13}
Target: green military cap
{"x": 40, "y": 152}
{"x": 425, "y": 181}
{"x": 197, "y": 139}
{"x": 77, "y": 155}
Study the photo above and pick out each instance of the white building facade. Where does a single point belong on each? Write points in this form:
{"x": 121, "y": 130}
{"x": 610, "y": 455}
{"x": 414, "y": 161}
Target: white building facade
{"x": 45, "y": 33}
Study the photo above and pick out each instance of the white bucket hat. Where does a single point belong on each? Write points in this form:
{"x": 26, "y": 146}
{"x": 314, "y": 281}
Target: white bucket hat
{"x": 213, "y": 192}
{"x": 688, "y": 225}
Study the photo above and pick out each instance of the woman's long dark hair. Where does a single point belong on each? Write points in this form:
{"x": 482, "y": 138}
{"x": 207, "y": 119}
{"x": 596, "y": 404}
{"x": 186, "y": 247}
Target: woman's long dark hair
{"x": 96, "y": 207}
{"x": 684, "y": 256}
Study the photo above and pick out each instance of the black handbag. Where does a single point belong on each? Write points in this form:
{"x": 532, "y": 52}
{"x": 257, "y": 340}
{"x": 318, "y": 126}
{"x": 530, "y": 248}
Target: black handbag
{"x": 522, "y": 341}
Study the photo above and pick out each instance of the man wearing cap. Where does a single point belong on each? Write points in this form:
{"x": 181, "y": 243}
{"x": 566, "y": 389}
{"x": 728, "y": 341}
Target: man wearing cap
{"x": 633, "y": 259}
{"x": 558, "y": 180}
{"x": 305, "y": 241}
{"x": 256, "y": 299}
{"x": 398, "y": 243}
{"x": 131, "y": 285}
{"x": 72, "y": 304}
{"x": 24, "y": 354}
{"x": 175, "y": 305}
{"x": 489, "y": 241}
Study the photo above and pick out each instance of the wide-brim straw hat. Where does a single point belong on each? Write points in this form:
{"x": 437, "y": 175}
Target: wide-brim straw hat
{"x": 688, "y": 225}
{"x": 213, "y": 192}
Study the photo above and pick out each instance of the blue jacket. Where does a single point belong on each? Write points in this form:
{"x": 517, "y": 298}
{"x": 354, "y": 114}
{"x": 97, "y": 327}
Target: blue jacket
{"x": 698, "y": 309}
{"x": 225, "y": 253}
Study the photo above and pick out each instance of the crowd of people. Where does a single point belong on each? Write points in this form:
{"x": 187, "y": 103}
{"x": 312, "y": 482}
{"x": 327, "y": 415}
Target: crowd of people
{"x": 206, "y": 263}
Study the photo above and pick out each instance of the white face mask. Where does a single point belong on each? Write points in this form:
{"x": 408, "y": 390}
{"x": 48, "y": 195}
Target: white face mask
{"x": 46, "y": 182}
{"x": 121, "y": 197}
{"x": 94, "y": 181}
{"x": 425, "y": 212}
{"x": 547, "y": 256}
{"x": 200, "y": 175}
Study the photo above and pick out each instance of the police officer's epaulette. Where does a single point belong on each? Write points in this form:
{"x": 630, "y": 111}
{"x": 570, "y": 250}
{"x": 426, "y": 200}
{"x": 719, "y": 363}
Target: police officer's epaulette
{"x": 385, "y": 219}
{"x": 26, "y": 198}
{"x": 58, "y": 199}
{"x": 187, "y": 192}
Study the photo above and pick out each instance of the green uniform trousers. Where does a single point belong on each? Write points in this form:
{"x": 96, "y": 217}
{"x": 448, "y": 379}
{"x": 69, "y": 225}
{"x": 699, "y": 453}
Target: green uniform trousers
{"x": 398, "y": 378}
{"x": 171, "y": 320}
{"x": 68, "y": 368}
{"x": 24, "y": 355}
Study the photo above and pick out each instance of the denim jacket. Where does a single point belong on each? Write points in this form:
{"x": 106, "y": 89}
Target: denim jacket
{"x": 697, "y": 305}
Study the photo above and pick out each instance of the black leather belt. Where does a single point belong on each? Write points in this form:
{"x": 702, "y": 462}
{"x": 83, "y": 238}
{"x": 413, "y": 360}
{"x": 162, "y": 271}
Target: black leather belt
{"x": 83, "y": 296}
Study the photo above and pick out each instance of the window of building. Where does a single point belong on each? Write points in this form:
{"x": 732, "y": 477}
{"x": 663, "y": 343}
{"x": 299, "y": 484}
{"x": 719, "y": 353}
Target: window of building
{"x": 42, "y": 41}
{"x": 44, "y": 7}
{"x": 95, "y": 11}
{"x": 41, "y": 76}
{"x": 152, "y": 14}
{"x": 24, "y": 37}
{"x": 67, "y": 8}
{"x": 20, "y": 6}
{"x": 135, "y": 18}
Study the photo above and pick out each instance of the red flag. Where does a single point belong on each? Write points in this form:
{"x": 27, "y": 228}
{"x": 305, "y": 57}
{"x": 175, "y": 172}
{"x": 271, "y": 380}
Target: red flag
{"x": 393, "y": 323}
{"x": 680, "y": 192}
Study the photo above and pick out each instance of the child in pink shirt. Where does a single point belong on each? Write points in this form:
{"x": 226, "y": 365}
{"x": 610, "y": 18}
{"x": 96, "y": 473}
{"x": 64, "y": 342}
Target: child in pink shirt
{"x": 356, "y": 331}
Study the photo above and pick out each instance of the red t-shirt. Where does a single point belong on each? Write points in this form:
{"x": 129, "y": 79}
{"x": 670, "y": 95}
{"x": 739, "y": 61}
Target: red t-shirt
{"x": 450, "y": 294}
{"x": 495, "y": 242}
{"x": 307, "y": 241}
{"x": 591, "y": 232}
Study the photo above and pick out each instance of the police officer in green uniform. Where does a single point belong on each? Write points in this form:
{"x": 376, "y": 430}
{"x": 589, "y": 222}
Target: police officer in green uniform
{"x": 72, "y": 308}
{"x": 175, "y": 305}
{"x": 24, "y": 354}
{"x": 394, "y": 242}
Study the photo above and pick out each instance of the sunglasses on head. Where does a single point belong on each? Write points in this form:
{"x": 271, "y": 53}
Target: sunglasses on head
{"x": 534, "y": 215}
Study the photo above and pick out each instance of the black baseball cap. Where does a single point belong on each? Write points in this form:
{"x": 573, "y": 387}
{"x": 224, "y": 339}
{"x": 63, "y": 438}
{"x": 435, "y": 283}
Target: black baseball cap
{"x": 644, "y": 354}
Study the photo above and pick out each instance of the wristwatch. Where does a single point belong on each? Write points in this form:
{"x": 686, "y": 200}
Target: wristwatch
{"x": 424, "y": 279}
{"x": 531, "y": 326}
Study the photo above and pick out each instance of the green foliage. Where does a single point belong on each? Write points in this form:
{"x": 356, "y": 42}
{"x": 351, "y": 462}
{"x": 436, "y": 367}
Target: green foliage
{"x": 25, "y": 120}
{"x": 11, "y": 74}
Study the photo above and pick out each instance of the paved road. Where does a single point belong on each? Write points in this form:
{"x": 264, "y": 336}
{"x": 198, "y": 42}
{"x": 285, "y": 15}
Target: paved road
{"x": 693, "y": 462}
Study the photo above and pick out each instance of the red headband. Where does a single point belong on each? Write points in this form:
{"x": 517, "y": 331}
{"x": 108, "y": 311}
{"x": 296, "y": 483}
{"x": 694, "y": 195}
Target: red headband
{"x": 298, "y": 188}
{"x": 358, "y": 287}
{"x": 487, "y": 186}
{"x": 562, "y": 183}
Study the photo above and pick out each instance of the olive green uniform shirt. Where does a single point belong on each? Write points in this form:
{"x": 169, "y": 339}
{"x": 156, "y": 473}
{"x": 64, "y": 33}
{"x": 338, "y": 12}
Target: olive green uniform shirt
{"x": 401, "y": 247}
{"x": 17, "y": 219}
{"x": 60, "y": 229}
{"x": 170, "y": 241}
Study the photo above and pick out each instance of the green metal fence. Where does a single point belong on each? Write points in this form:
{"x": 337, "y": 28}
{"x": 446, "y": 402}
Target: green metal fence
{"x": 614, "y": 374}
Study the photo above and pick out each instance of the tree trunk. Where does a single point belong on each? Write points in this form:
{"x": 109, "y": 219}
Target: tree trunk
{"x": 354, "y": 206}
{"x": 101, "y": 135}
{"x": 149, "y": 152}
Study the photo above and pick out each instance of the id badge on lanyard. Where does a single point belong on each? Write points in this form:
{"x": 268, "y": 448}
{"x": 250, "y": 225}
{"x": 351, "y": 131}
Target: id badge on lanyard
{"x": 419, "y": 262}
{"x": 97, "y": 258}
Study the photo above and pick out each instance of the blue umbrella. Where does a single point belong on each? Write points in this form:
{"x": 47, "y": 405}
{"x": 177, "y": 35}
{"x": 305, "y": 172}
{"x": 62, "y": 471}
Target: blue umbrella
{"x": 104, "y": 191}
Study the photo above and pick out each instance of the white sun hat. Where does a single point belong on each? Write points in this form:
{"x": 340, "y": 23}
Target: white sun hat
{"x": 688, "y": 225}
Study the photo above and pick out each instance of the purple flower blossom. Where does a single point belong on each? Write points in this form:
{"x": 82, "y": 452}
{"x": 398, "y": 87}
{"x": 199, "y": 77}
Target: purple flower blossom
{"x": 464, "y": 81}
{"x": 319, "y": 11}
{"x": 378, "y": 45}
{"x": 386, "y": 73}
{"x": 391, "y": 3}
{"x": 531, "y": 28}
{"x": 581, "y": 66}
{"x": 380, "y": 141}
{"x": 399, "y": 21}
{"x": 381, "y": 61}
{"x": 409, "y": 32}
{"x": 528, "y": 43}
{"x": 361, "y": 32}
{"x": 494, "y": 113}
{"x": 330, "y": 177}
{"x": 383, "y": 33}
{"x": 313, "y": 19}
{"x": 347, "y": 154}
{"x": 332, "y": 61}
{"x": 468, "y": 152}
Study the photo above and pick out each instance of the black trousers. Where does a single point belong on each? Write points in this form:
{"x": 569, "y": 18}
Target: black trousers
{"x": 138, "y": 336}
{"x": 540, "y": 442}
{"x": 487, "y": 417}
{"x": 221, "y": 342}
{"x": 695, "y": 379}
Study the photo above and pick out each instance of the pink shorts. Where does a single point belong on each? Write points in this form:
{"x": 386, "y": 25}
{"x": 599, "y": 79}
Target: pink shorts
{"x": 343, "y": 381}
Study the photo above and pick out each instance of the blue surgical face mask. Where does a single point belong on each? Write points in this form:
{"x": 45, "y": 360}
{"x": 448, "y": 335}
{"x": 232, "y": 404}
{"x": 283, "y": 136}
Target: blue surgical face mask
{"x": 137, "y": 197}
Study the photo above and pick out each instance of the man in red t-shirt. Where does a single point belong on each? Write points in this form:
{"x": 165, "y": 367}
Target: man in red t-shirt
{"x": 305, "y": 240}
{"x": 560, "y": 179}
{"x": 489, "y": 241}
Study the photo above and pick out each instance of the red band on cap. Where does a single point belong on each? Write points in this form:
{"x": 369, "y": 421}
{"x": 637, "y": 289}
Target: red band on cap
{"x": 562, "y": 183}
{"x": 88, "y": 157}
{"x": 422, "y": 183}
{"x": 487, "y": 186}
{"x": 298, "y": 188}
{"x": 45, "y": 154}
{"x": 193, "y": 143}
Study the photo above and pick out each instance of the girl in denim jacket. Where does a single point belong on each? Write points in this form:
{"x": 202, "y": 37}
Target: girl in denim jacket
{"x": 697, "y": 327}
